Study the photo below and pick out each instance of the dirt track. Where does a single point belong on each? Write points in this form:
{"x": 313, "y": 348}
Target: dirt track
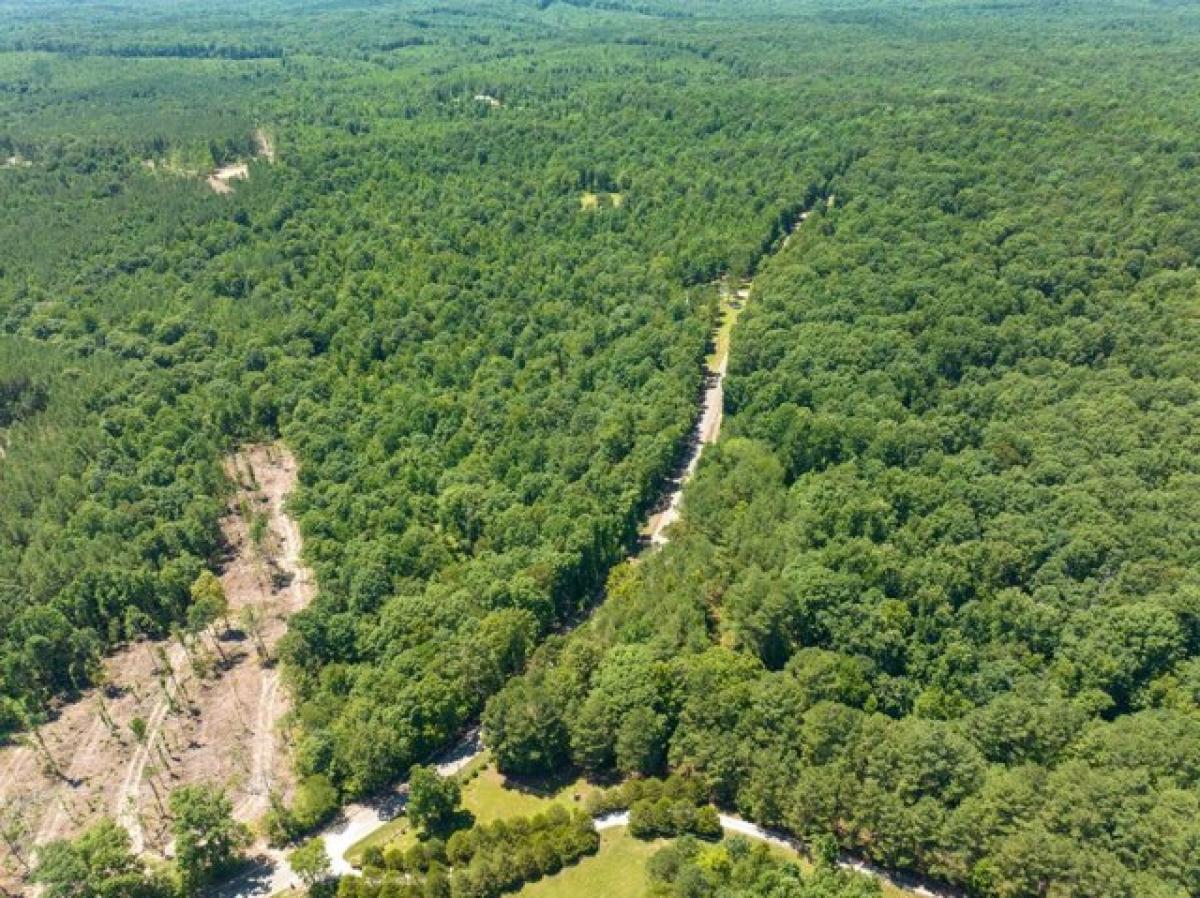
{"x": 706, "y": 432}
{"x": 217, "y": 728}
{"x": 220, "y": 180}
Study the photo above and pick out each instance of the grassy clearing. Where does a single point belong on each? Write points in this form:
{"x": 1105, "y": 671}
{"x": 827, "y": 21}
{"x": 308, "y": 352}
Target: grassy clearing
{"x": 590, "y": 200}
{"x": 730, "y": 307}
{"x": 618, "y": 870}
{"x": 488, "y": 796}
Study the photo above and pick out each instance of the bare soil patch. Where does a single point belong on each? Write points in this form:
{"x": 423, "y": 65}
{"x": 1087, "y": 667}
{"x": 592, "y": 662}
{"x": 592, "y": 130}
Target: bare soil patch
{"x": 236, "y": 171}
{"x": 203, "y": 721}
{"x": 266, "y": 146}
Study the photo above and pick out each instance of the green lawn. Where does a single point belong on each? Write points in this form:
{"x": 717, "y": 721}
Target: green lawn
{"x": 491, "y": 796}
{"x": 393, "y": 832}
{"x": 618, "y": 870}
{"x": 731, "y": 306}
{"x": 488, "y": 796}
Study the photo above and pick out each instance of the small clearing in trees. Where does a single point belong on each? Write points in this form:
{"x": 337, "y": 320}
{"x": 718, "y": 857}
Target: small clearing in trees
{"x": 220, "y": 180}
{"x": 266, "y": 146}
{"x": 601, "y": 200}
{"x": 236, "y": 171}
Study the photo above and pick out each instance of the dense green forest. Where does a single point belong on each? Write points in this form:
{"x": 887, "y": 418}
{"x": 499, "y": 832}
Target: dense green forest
{"x": 414, "y": 297}
{"x": 934, "y": 594}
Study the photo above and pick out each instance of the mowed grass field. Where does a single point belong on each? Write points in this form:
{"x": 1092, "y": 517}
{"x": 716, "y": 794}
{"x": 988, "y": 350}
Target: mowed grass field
{"x": 489, "y": 796}
{"x": 617, "y": 870}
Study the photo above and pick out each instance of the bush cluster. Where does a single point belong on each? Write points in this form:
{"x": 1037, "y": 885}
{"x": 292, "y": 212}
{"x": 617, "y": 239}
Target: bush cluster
{"x": 666, "y": 818}
{"x": 623, "y": 797}
{"x": 482, "y": 862}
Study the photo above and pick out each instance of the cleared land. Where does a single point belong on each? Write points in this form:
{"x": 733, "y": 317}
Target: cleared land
{"x": 219, "y": 180}
{"x": 617, "y": 870}
{"x": 202, "y": 722}
{"x": 591, "y": 200}
{"x": 489, "y": 796}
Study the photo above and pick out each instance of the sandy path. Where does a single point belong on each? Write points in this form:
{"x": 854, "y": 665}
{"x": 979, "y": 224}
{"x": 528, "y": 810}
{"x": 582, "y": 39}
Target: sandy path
{"x": 219, "y": 180}
{"x": 275, "y": 473}
{"x": 795, "y": 228}
{"x": 127, "y": 804}
{"x": 271, "y": 706}
{"x": 58, "y": 820}
{"x": 706, "y": 432}
{"x": 270, "y": 872}
{"x": 266, "y": 146}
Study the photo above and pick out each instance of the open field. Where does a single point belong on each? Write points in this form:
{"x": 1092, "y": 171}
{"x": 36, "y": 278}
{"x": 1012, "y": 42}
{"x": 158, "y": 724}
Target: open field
{"x": 488, "y": 796}
{"x": 617, "y": 870}
{"x": 589, "y": 200}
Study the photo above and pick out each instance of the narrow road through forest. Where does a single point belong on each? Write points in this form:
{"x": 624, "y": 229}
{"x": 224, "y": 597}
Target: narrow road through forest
{"x": 272, "y": 874}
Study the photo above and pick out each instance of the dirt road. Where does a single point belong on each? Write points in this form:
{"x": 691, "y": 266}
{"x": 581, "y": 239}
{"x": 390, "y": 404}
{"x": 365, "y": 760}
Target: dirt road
{"x": 706, "y": 432}
{"x": 270, "y": 874}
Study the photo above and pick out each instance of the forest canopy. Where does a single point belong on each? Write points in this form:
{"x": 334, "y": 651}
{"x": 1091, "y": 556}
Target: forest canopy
{"x": 934, "y": 595}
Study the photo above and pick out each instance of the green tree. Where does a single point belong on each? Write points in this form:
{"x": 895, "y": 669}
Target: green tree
{"x": 641, "y": 742}
{"x": 433, "y": 799}
{"x": 311, "y": 862}
{"x": 208, "y": 841}
{"x": 209, "y": 605}
{"x": 316, "y": 799}
{"x": 524, "y": 726}
{"x": 97, "y": 864}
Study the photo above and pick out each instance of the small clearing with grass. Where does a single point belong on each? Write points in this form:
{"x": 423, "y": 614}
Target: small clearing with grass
{"x": 617, "y": 870}
{"x": 601, "y": 200}
{"x": 488, "y": 795}
{"x": 732, "y": 301}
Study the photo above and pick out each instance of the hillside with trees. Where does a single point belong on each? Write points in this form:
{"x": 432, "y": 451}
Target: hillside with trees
{"x": 413, "y": 299}
{"x": 934, "y": 593}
